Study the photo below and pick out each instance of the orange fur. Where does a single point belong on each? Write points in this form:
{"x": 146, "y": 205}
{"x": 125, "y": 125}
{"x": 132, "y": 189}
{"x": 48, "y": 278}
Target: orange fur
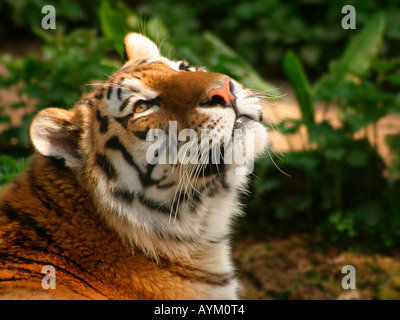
{"x": 91, "y": 261}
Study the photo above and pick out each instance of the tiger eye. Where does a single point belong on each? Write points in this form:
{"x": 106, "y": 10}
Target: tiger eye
{"x": 141, "y": 108}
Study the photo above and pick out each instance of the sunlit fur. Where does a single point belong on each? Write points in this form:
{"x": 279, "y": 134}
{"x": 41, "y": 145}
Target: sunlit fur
{"x": 111, "y": 224}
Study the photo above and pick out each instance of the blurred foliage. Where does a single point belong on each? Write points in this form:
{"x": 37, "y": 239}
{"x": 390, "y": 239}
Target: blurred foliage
{"x": 338, "y": 185}
{"x": 56, "y": 78}
{"x": 203, "y": 49}
{"x": 262, "y": 31}
{"x": 10, "y": 168}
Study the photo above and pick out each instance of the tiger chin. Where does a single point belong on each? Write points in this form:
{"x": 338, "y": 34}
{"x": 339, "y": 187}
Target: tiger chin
{"x": 114, "y": 224}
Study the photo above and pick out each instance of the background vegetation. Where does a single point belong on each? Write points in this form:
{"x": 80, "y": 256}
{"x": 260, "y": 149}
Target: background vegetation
{"x": 339, "y": 186}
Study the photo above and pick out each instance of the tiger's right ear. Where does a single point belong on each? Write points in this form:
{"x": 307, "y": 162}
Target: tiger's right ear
{"x": 55, "y": 133}
{"x": 139, "y": 47}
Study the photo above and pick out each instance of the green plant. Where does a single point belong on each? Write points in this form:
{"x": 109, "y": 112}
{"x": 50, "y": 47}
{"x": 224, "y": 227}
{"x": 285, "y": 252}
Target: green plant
{"x": 53, "y": 79}
{"x": 338, "y": 185}
{"x": 10, "y": 168}
{"x": 202, "y": 48}
{"x": 262, "y": 31}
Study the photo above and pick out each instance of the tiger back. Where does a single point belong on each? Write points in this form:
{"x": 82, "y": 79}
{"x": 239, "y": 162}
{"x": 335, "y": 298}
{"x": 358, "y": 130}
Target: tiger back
{"x": 112, "y": 201}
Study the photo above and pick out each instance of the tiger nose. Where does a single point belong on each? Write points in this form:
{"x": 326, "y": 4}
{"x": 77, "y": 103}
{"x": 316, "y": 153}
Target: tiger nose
{"x": 222, "y": 95}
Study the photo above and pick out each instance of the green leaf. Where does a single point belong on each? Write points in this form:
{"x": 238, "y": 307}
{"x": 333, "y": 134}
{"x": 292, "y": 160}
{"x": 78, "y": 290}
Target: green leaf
{"x": 70, "y": 10}
{"x": 264, "y": 185}
{"x": 289, "y": 126}
{"x": 301, "y": 86}
{"x": 226, "y": 60}
{"x": 363, "y": 47}
{"x": 358, "y": 121}
{"x": 10, "y": 168}
{"x": 156, "y": 29}
{"x": 113, "y": 26}
{"x": 334, "y": 153}
{"x": 7, "y": 164}
{"x": 356, "y": 158}
{"x": 372, "y": 213}
{"x": 5, "y": 118}
{"x": 159, "y": 33}
{"x": 292, "y": 206}
{"x": 395, "y": 79}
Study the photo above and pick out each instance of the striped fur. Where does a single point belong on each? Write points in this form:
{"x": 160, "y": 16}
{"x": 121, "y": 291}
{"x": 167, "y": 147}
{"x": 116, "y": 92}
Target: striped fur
{"x": 113, "y": 225}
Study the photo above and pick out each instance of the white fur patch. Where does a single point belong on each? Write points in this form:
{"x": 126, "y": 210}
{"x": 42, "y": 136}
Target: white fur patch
{"x": 132, "y": 89}
{"x": 194, "y": 229}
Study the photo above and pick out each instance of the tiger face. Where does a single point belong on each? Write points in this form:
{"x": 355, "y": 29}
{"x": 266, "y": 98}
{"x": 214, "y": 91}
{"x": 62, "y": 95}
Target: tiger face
{"x": 105, "y": 140}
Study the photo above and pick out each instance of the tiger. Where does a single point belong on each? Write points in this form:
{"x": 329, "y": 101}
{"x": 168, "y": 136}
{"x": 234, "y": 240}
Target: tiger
{"x": 109, "y": 221}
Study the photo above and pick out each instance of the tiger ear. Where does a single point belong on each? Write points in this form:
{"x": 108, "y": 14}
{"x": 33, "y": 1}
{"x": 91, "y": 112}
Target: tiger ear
{"x": 55, "y": 133}
{"x": 139, "y": 47}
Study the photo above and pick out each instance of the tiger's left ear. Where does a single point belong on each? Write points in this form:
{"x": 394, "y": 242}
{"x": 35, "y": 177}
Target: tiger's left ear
{"x": 139, "y": 47}
{"x": 56, "y": 132}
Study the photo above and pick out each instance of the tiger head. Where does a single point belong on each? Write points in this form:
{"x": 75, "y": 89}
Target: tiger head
{"x": 115, "y": 138}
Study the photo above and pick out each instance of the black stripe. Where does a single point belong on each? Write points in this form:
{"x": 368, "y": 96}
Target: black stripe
{"x": 195, "y": 274}
{"x": 40, "y": 230}
{"x": 36, "y": 189}
{"x": 114, "y": 144}
{"x": 99, "y": 93}
{"x": 184, "y": 66}
{"x": 219, "y": 240}
{"x": 195, "y": 201}
{"x": 165, "y": 234}
{"x": 143, "y": 68}
{"x": 119, "y": 93}
{"x": 29, "y": 272}
{"x": 26, "y": 219}
{"x": 142, "y": 134}
{"x": 10, "y": 212}
{"x": 12, "y": 279}
{"x": 124, "y": 120}
{"x": 106, "y": 166}
{"x": 124, "y": 104}
{"x": 119, "y": 90}
{"x": 224, "y": 183}
{"x": 109, "y": 90}
{"x": 42, "y": 194}
{"x": 125, "y": 195}
{"x": 155, "y": 206}
{"x": 166, "y": 185}
{"x": 103, "y": 122}
{"x": 145, "y": 178}
{"x": 213, "y": 168}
